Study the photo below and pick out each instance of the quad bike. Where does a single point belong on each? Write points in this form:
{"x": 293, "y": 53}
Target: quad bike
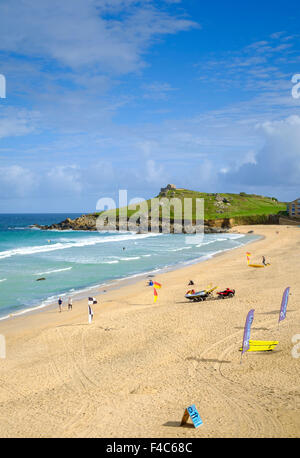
{"x": 226, "y": 293}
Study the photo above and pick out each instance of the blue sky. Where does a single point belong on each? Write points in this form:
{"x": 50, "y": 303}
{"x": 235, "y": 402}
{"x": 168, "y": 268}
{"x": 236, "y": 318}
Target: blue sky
{"x": 122, "y": 94}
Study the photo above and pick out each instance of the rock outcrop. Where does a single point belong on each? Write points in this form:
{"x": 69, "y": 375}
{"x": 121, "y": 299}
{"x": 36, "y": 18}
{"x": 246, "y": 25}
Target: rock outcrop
{"x": 83, "y": 223}
{"x": 89, "y": 223}
{"x": 143, "y": 224}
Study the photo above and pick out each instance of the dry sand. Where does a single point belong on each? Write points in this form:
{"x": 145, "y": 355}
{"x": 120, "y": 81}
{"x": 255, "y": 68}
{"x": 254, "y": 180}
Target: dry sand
{"x": 134, "y": 370}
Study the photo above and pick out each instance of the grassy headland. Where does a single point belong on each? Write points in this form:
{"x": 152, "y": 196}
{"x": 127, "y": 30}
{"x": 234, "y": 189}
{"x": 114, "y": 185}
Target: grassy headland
{"x": 221, "y": 205}
{"x": 220, "y": 211}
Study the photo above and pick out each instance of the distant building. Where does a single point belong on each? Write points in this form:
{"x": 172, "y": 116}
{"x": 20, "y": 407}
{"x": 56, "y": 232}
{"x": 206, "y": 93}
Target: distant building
{"x": 293, "y": 209}
{"x": 169, "y": 187}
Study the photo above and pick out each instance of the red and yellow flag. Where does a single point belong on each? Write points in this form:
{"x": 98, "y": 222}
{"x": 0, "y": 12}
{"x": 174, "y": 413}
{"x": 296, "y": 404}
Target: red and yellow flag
{"x": 156, "y": 286}
{"x": 248, "y": 256}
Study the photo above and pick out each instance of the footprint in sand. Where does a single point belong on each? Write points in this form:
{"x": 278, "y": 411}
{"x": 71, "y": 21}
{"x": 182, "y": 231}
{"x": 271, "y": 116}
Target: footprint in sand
{"x": 144, "y": 390}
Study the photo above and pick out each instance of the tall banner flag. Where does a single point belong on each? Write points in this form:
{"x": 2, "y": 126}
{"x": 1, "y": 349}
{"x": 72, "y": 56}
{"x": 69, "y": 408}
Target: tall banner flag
{"x": 248, "y": 257}
{"x": 247, "y": 330}
{"x": 284, "y": 303}
{"x": 155, "y": 295}
{"x": 91, "y": 315}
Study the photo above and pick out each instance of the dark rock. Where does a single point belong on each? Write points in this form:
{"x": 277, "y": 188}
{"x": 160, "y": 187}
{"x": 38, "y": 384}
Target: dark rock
{"x": 89, "y": 223}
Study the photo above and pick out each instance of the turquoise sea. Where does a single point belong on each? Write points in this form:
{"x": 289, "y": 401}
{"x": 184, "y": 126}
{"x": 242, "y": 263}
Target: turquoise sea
{"x": 71, "y": 261}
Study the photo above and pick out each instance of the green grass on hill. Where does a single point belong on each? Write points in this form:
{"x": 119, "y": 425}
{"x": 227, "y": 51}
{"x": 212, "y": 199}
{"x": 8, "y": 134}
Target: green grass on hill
{"x": 240, "y": 204}
{"x": 235, "y": 204}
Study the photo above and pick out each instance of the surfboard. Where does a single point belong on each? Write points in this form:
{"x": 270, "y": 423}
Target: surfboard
{"x": 256, "y": 265}
{"x": 211, "y": 290}
{"x": 261, "y": 345}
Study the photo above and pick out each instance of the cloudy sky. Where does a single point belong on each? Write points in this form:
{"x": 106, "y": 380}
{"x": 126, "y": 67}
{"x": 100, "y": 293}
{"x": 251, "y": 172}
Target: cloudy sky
{"x": 104, "y": 95}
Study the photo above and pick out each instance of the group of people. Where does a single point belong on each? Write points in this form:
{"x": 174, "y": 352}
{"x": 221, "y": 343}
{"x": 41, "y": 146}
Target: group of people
{"x": 60, "y": 303}
{"x": 150, "y": 283}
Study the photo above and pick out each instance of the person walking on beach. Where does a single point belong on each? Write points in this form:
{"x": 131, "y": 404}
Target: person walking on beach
{"x": 264, "y": 261}
{"x": 60, "y": 303}
{"x": 70, "y": 303}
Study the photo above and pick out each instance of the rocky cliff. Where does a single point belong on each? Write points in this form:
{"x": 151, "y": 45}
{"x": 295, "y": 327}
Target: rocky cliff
{"x": 88, "y": 223}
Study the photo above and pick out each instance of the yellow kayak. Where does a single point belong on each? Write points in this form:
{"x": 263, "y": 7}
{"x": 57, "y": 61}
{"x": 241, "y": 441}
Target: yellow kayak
{"x": 261, "y": 345}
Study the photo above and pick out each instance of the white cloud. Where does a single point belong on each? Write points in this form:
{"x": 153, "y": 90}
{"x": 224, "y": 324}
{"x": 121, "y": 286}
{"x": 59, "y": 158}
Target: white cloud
{"x": 15, "y": 122}
{"x": 157, "y": 90}
{"x": 65, "y": 179}
{"x": 277, "y": 163}
{"x": 257, "y": 66}
{"x": 154, "y": 172}
{"x": 83, "y": 34}
{"x": 16, "y": 181}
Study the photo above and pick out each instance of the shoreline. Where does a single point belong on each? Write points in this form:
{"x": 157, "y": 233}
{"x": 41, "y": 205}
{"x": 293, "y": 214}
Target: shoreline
{"x": 128, "y": 280}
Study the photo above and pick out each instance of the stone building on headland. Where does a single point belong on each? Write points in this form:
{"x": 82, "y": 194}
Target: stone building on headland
{"x": 169, "y": 187}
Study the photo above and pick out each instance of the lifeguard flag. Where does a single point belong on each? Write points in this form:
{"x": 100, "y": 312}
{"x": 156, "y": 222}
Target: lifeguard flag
{"x": 284, "y": 303}
{"x": 157, "y": 285}
{"x": 249, "y": 320}
{"x": 91, "y": 315}
{"x": 155, "y": 295}
{"x": 92, "y": 300}
{"x": 248, "y": 257}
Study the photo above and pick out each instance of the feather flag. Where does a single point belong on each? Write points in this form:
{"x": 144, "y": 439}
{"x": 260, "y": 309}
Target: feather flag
{"x": 91, "y": 314}
{"x": 249, "y": 320}
{"x": 155, "y": 295}
{"x": 284, "y": 303}
{"x": 248, "y": 257}
{"x": 157, "y": 285}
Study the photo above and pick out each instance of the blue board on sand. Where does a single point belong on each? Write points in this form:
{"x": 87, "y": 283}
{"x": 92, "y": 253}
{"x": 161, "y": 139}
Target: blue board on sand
{"x": 192, "y": 412}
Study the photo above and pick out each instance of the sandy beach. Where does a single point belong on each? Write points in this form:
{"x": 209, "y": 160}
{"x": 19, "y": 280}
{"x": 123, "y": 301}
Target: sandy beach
{"x": 133, "y": 371}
